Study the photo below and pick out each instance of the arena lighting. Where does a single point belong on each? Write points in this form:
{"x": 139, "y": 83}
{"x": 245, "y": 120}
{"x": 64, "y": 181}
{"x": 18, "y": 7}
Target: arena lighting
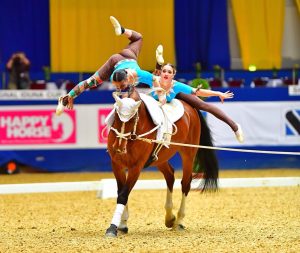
{"x": 252, "y": 67}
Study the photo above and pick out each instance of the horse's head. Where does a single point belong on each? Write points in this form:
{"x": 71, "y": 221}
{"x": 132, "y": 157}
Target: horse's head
{"x": 125, "y": 121}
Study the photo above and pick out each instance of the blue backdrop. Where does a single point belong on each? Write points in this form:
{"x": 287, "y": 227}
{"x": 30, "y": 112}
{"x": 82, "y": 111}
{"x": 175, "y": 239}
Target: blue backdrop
{"x": 24, "y": 26}
{"x": 201, "y": 34}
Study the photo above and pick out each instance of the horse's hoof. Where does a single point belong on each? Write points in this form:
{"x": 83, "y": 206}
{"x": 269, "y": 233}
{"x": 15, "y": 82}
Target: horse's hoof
{"x": 123, "y": 230}
{"x": 170, "y": 223}
{"x": 111, "y": 231}
{"x": 179, "y": 227}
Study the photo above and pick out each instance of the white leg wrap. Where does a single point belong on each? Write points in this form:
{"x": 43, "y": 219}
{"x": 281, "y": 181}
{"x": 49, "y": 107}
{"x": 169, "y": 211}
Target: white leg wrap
{"x": 116, "y": 220}
{"x": 124, "y": 218}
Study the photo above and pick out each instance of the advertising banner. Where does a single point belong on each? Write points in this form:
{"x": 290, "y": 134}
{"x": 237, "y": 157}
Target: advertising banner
{"x": 263, "y": 123}
{"x": 32, "y": 127}
{"x": 103, "y": 130}
{"x": 37, "y": 127}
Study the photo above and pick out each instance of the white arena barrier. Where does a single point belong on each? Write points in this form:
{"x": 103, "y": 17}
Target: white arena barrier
{"x": 50, "y": 187}
{"x": 107, "y": 188}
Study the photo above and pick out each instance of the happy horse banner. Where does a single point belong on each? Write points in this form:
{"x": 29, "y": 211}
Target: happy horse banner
{"x": 37, "y": 127}
{"x": 31, "y": 127}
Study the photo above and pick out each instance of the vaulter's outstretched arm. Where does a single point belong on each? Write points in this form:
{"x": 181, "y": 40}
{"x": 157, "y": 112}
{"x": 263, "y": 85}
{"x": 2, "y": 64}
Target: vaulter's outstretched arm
{"x": 211, "y": 93}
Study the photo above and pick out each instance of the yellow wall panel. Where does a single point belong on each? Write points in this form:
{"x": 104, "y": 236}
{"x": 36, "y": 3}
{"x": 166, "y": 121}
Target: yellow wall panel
{"x": 82, "y": 37}
{"x": 260, "y": 29}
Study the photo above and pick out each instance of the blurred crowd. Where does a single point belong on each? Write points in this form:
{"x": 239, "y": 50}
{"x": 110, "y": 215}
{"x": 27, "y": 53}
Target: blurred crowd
{"x": 18, "y": 67}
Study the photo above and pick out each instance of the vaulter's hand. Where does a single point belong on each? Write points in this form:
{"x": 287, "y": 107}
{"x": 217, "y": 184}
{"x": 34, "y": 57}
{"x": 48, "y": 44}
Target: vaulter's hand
{"x": 225, "y": 95}
{"x": 68, "y": 101}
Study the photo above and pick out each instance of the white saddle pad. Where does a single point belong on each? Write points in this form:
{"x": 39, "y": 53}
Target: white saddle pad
{"x": 174, "y": 110}
{"x": 163, "y": 116}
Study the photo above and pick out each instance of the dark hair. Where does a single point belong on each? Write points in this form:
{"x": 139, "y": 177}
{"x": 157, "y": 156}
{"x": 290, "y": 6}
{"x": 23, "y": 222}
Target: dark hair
{"x": 171, "y": 65}
{"x": 119, "y": 75}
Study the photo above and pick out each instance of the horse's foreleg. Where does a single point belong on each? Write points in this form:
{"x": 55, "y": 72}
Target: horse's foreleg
{"x": 170, "y": 217}
{"x": 168, "y": 173}
{"x": 122, "y": 200}
{"x": 123, "y": 225}
{"x": 120, "y": 176}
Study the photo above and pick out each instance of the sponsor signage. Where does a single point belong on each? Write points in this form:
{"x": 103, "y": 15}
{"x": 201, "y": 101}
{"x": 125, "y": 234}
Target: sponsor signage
{"x": 33, "y": 127}
{"x": 103, "y": 130}
{"x": 294, "y": 90}
{"x": 31, "y": 94}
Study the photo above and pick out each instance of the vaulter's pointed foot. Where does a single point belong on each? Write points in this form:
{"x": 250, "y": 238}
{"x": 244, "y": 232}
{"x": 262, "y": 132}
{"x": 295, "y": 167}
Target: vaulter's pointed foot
{"x": 116, "y": 25}
{"x": 239, "y": 134}
{"x": 159, "y": 55}
{"x": 60, "y": 107}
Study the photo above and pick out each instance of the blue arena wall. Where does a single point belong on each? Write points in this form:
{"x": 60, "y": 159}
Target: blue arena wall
{"x": 97, "y": 159}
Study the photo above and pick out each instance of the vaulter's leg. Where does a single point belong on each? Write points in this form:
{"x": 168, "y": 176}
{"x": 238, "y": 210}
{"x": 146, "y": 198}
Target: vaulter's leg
{"x": 199, "y": 104}
{"x": 131, "y": 51}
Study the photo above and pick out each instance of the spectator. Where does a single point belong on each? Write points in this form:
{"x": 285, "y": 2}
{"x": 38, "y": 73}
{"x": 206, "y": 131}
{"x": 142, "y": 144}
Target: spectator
{"x": 18, "y": 67}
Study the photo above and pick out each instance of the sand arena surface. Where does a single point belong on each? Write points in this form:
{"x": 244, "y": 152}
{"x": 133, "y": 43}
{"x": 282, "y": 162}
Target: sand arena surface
{"x": 232, "y": 220}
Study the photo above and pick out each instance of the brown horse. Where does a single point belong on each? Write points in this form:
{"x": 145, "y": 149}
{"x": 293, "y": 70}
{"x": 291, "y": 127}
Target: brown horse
{"x": 127, "y": 151}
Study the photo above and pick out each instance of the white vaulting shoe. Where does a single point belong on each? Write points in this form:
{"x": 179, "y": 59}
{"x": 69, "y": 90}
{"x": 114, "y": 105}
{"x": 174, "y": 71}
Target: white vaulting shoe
{"x": 239, "y": 134}
{"x": 159, "y": 55}
{"x": 116, "y": 24}
{"x": 60, "y": 107}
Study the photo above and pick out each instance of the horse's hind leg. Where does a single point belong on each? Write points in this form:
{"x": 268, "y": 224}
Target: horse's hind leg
{"x": 168, "y": 173}
{"x": 187, "y": 168}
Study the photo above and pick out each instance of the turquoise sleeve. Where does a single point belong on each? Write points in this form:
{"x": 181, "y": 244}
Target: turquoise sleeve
{"x": 145, "y": 77}
{"x": 182, "y": 87}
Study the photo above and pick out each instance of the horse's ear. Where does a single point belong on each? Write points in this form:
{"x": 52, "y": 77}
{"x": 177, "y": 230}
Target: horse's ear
{"x": 138, "y": 103}
{"x": 116, "y": 97}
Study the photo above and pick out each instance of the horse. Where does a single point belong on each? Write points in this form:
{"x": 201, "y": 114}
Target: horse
{"x": 128, "y": 151}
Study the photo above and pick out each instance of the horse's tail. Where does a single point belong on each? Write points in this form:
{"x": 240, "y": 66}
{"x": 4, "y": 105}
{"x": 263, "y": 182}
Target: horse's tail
{"x": 206, "y": 163}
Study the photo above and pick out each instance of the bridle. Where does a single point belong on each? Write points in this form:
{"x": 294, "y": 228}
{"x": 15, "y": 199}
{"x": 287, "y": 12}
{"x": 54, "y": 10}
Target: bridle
{"x": 132, "y": 135}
